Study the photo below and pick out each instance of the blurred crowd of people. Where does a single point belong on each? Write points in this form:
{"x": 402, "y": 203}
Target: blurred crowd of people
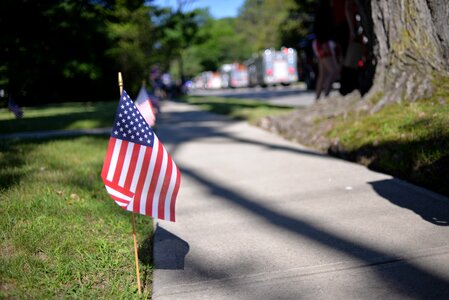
{"x": 164, "y": 86}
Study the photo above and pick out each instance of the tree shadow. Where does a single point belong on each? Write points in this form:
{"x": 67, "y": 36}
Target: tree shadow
{"x": 192, "y": 126}
{"x": 431, "y": 210}
{"x": 11, "y": 164}
{"x": 409, "y": 279}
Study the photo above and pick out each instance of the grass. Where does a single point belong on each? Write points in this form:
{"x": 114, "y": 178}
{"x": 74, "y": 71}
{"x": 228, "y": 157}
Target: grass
{"x": 61, "y": 116}
{"x": 62, "y": 236}
{"x": 249, "y": 110}
{"x": 408, "y": 140}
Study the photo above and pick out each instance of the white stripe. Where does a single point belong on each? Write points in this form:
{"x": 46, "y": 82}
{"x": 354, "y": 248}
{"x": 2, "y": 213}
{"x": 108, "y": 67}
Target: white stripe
{"x": 160, "y": 181}
{"x": 120, "y": 203}
{"x": 171, "y": 188}
{"x": 138, "y": 168}
{"x": 116, "y": 193}
{"x": 148, "y": 177}
{"x": 128, "y": 155}
{"x": 114, "y": 158}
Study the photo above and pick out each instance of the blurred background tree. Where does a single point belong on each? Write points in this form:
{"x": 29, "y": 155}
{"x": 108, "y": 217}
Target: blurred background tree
{"x": 71, "y": 50}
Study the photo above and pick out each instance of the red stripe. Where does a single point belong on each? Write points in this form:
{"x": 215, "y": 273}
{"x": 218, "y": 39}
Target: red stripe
{"x": 120, "y": 160}
{"x": 107, "y": 160}
{"x": 142, "y": 178}
{"x": 165, "y": 185}
{"x": 120, "y": 200}
{"x": 174, "y": 195}
{"x": 115, "y": 186}
{"x": 132, "y": 166}
{"x": 154, "y": 178}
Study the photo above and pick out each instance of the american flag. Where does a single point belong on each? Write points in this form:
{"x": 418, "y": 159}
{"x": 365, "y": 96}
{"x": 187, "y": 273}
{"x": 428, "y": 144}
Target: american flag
{"x": 143, "y": 103}
{"x": 138, "y": 172}
{"x": 15, "y": 108}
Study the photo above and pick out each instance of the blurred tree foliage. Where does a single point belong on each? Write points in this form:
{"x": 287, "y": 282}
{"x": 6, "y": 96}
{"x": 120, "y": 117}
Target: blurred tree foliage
{"x": 260, "y": 22}
{"x": 71, "y": 50}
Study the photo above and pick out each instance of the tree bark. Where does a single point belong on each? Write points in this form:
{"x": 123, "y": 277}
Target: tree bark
{"x": 411, "y": 47}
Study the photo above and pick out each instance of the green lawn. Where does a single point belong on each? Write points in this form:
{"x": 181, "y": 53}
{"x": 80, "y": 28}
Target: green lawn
{"x": 62, "y": 236}
{"x": 59, "y": 116}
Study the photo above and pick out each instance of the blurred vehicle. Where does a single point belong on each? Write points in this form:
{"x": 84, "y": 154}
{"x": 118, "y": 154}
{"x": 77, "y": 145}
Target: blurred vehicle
{"x": 307, "y": 62}
{"x": 213, "y": 80}
{"x": 271, "y": 67}
{"x": 234, "y": 75}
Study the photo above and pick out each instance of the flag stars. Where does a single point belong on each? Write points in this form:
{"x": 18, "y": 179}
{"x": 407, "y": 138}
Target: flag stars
{"x": 116, "y": 132}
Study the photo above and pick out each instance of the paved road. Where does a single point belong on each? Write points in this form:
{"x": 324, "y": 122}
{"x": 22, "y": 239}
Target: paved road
{"x": 259, "y": 217}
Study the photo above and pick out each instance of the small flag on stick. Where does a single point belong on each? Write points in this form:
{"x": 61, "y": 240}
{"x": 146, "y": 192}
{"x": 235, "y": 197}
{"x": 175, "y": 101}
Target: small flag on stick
{"x": 15, "y": 108}
{"x": 145, "y": 106}
{"x": 138, "y": 172}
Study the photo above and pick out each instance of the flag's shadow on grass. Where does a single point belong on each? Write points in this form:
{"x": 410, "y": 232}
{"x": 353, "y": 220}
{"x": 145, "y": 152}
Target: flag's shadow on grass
{"x": 169, "y": 250}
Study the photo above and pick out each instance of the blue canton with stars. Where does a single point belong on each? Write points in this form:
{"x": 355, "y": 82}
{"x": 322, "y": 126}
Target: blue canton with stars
{"x": 129, "y": 125}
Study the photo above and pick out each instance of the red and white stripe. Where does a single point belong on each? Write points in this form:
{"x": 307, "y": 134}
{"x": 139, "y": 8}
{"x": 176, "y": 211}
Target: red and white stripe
{"x": 143, "y": 104}
{"x": 142, "y": 179}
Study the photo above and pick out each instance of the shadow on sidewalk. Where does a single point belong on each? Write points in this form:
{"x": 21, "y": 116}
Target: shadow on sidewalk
{"x": 433, "y": 211}
{"x": 169, "y": 250}
{"x": 194, "y": 125}
{"x": 406, "y": 278}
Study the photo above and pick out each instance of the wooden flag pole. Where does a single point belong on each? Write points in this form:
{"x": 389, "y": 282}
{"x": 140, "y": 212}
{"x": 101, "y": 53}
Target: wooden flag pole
{"x": 136, "y": 253}
{"x": 120, "y": 82}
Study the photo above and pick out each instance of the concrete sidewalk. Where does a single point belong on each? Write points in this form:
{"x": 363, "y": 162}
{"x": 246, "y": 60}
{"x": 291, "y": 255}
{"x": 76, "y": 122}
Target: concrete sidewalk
{"x": 259, "y": 217}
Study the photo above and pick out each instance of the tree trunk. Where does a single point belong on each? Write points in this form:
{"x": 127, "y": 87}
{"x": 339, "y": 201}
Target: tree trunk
{"x": 411, "y": 47}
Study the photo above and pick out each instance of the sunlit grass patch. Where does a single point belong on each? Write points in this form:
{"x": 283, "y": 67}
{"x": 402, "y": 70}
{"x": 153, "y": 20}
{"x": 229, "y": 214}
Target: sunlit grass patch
{"x": 60, "y": 116}
{"x": 61, "y": 234}
{"x": 249, "y": 110}
{"x": 409, "y": 140}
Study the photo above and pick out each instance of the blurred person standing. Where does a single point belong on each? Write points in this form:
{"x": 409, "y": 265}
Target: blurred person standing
{"x": 325, "y": 48}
